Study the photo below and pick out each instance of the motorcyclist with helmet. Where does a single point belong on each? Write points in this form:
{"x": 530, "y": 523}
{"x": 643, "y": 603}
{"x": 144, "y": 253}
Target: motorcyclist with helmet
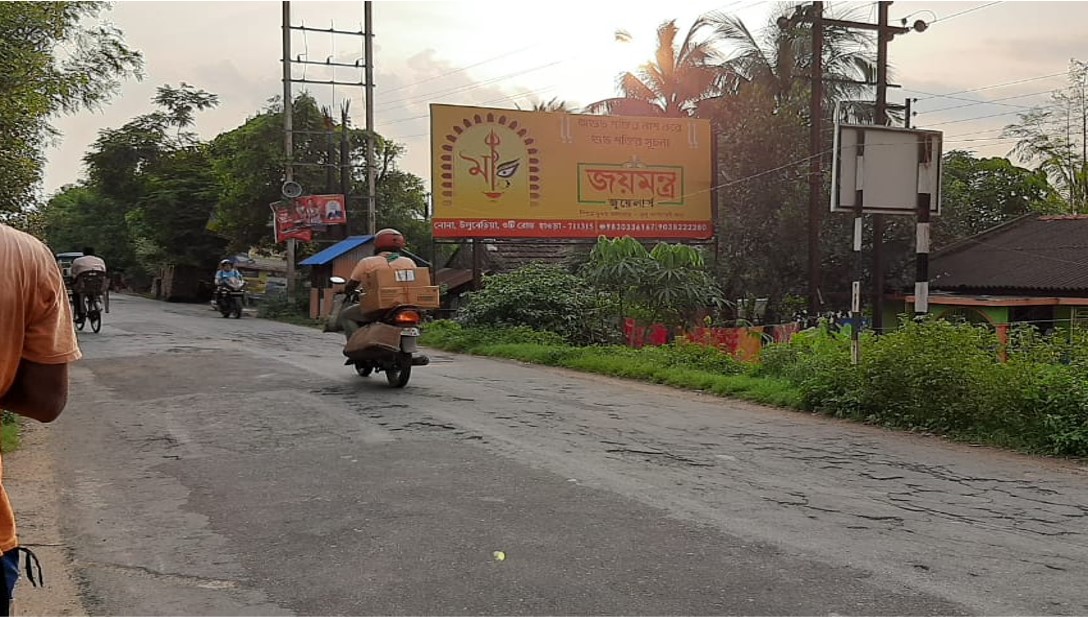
{"x": 226, "y": 273}
{"x": 227, "y": 278}
{"x": 387, "y": 246}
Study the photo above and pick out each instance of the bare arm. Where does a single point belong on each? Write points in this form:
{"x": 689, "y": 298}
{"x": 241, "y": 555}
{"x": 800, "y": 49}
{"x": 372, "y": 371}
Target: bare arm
{"x": 40, "y": 388}
{"x": 40, "y": 391}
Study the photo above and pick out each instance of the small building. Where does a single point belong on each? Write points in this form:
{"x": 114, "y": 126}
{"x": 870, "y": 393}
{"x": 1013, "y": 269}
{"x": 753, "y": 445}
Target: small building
{"x": 1033, "y": 269}
{"x": 339, "y": 260}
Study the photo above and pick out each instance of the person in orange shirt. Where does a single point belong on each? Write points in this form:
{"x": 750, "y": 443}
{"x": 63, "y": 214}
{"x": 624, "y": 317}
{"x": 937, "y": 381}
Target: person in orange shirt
{"x": 37, "y": 342}
{"x": 387, "y": 246}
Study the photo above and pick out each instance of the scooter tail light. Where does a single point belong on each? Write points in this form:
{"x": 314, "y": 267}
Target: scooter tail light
{"x": 406, "y": 318}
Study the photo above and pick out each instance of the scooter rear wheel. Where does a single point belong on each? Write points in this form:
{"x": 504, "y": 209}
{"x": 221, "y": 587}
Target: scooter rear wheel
{"x": 399, "y": 374}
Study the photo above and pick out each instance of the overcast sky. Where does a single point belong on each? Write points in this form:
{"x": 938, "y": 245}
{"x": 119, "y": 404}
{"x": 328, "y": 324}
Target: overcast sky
{"x": 514, "y": 52}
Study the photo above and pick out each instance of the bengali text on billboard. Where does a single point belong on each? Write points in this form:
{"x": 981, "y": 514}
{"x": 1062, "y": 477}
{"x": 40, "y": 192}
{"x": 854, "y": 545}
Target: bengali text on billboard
{"x": 499, "y": 173}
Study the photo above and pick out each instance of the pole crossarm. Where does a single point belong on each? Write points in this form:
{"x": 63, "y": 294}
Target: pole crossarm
{"x": 358, "y": 64}
{"x": 329, "y": 30}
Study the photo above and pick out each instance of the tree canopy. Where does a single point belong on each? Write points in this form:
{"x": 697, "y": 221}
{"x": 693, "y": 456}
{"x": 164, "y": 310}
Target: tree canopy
{"x": 53, "y": 63}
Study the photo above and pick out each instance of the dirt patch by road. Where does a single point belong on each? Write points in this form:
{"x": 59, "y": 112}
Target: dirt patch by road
{"x": 31, "y": 485}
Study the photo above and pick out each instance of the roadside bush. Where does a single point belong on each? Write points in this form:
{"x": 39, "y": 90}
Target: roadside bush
{"x": 929, "y": 375}
{"x": 947, "y": 378}
{"x": 542, "y": 297}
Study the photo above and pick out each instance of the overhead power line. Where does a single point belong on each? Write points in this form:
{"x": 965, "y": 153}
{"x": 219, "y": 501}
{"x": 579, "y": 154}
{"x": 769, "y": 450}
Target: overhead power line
{"x": 993, "y": 102}
{"x": 952, "y": 95}
{"x": 964, "y": 12}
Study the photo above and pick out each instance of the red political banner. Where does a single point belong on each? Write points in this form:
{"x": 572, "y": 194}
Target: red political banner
{"x": 291, "y": 224}
{"x": 322, "y": 209}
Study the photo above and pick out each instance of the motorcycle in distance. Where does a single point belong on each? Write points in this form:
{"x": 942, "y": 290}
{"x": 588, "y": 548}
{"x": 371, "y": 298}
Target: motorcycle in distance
{"x": 229, "y": 296}
{"x": 395, "y": 361}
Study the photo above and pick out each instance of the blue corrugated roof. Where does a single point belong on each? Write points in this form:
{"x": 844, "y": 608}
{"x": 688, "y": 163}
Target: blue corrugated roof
{"x": 326, "y": 256}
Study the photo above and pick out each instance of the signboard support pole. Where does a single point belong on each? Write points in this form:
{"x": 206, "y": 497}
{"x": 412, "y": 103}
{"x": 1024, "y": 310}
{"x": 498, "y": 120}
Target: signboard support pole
{"x": 288, "y": 141}
{"x": 921, "y": 244}
{"x": 921, "y": 278}
{"x": 855, "y": 287}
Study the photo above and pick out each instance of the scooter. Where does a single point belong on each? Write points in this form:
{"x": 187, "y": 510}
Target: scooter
{"x": 229, "y": 297}
{"x": 393, "y": 335}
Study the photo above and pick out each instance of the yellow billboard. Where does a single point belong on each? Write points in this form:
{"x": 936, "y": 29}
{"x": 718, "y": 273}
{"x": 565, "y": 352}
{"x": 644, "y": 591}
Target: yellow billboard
{"x": 500, "y": 173}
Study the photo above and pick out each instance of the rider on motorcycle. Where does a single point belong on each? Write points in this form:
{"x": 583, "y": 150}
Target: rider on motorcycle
{"x": 227, "y": 276}
{"x": 227, "y": 272}
{"x": 89, "y": 262}
{"x": 387, "y": 246}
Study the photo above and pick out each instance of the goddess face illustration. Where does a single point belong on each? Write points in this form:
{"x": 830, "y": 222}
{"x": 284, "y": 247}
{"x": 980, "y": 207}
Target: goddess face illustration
{"x": 490, "y": 156}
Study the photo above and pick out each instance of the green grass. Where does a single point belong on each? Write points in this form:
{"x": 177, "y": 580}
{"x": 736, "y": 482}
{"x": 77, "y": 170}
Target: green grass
{"x": 9, "y": 432}
{"x": 678, "y": 366}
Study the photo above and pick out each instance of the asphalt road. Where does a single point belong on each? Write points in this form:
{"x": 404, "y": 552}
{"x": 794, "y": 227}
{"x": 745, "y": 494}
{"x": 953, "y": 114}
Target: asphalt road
{"x": 212, "y": 466}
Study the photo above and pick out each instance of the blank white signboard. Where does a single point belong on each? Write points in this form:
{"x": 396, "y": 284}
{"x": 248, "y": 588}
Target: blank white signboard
{"x": 892, "y": 168}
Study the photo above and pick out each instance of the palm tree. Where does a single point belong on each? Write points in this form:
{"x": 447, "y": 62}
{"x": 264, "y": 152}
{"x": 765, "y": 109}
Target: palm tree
{"x": 779, "y": 60}
{"x": 554, "y": 105}
{"x": 673, "y": 83}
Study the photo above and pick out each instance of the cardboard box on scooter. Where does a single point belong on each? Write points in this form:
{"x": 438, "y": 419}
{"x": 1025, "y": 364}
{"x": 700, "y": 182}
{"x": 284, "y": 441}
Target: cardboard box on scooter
{"x": 388, "y": 288}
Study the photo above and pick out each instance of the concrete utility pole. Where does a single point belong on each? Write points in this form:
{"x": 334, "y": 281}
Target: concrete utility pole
{"x": 288, "y": 137}
{"x": 883, "y": 37}
{"x": 371, "y": 172}
{"x": 815, "y": 170}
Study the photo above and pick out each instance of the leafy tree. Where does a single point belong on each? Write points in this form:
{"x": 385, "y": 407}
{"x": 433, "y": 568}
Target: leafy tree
{"x": 1055, "y": 136}
{"x": 149, "y": 191}
{"x": 52, "y": 64}
{"x": 249, "y": 163}
{"x": 79, "y": 216}
{"x": 980, "y": 193}
{"x": 169, "y": 224}
{"x": 762, "y": 200}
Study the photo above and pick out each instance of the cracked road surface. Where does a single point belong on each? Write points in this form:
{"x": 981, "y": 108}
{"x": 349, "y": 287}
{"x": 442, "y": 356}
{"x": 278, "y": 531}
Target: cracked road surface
{"x": 212, "y": 466}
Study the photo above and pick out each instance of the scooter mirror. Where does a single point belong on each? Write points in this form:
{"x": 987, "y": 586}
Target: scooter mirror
{"x": 337, "y": 280}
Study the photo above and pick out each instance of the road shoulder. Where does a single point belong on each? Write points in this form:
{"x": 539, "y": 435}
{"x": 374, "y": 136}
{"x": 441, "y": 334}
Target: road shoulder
{"x": 30, "y": 481}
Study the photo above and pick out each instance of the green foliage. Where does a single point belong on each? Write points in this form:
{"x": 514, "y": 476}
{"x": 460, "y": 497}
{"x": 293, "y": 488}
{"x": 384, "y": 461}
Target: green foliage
{"x": 1043, "y": 137}
{"x": 948, "y": 378}
{"x": 248, "y": 163}
{"x": 80, "y": 216}
{"x": 669, "y": 284}
{"x": 980, "y": 193}
{"x": 682, "y": 366}
{"x": 53, "y": 62}
{"x": 452, "y": 336}
{"x": 9, "y": 432}
{"x": 149, "y": 194}
{"x": 156, "y": 195}
{"x": 280, "y": 308}
{"x": 541, "y": 297}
